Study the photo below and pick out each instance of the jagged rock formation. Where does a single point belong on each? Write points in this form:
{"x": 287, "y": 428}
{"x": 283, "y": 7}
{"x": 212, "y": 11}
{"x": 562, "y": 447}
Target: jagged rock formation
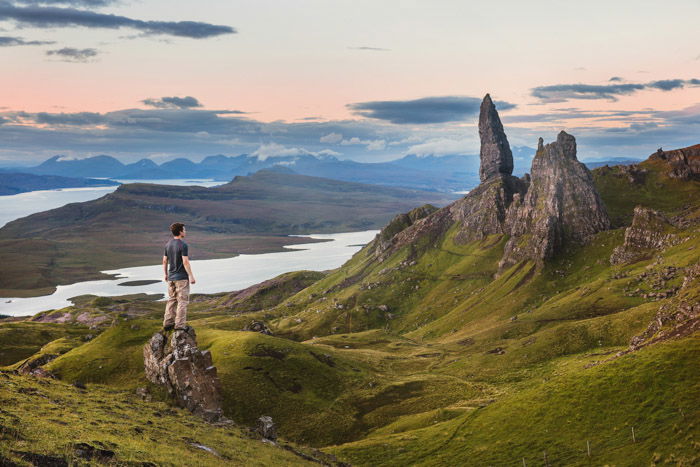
{"x": 650, "y": 230}
{"x": 557, "y": 204}
{"x": 561, "y": 205}
{"x": 684, "y": 163}
{"x": 388, "y": 240}
{"x": 186, "y": 372}
{"x": 496, "y": 156}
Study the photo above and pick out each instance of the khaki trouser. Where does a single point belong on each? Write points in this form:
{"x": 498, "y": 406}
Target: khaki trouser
{"x": 176, "y": 306}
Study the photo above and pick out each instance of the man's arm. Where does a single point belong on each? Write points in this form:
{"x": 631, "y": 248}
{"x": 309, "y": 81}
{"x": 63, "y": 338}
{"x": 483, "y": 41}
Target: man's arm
{"x": 188, "y": 268}
{"x": 165, "y": 268}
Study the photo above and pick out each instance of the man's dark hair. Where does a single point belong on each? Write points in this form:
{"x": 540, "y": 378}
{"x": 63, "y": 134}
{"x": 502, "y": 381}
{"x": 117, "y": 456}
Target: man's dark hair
{"x": 177, "y": 228}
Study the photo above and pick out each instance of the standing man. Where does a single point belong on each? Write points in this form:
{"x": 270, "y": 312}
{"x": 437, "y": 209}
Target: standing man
{"x": 178, "y": 276}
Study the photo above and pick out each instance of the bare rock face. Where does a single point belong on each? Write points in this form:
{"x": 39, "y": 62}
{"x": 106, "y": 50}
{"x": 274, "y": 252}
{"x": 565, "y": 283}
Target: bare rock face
{"x": 561, "y": 205}
{"x": 496, "y": 156}
{"x": 484, "y": 210}
{"x": 186, "y": 372}
{"x": 683, "y": 163}
{"x": 650, "y": 230}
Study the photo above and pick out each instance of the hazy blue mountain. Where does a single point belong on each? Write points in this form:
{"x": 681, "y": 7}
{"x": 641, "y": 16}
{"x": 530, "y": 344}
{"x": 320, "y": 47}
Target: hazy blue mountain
{"x": 435, "y": 173}
{"x": 98, "y": 166}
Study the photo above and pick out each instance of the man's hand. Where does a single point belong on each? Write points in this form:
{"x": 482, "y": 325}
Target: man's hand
{"x": 165, "y": 278}
{"x": 193, "y": 280}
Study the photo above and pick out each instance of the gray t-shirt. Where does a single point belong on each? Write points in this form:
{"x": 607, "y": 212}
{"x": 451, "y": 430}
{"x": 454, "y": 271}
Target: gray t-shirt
{"x": 175, "y": 249}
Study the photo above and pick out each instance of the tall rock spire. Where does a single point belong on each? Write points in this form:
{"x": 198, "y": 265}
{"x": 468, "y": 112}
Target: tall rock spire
{"x": 496, "y": 156}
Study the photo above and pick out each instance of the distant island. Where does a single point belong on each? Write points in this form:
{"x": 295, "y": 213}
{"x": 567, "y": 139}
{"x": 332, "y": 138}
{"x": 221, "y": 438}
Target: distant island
{"x": 13, "y": 183}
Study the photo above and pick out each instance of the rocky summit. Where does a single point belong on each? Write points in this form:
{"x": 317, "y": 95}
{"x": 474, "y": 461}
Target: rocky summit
{"x": 186, "y": 372}
{"x": 496, "y": 156}
{"x": 558, "y": 204}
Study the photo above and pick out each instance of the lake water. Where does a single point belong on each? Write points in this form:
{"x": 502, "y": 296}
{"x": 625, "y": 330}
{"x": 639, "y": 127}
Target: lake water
{"x": 15, "y": 206}
{"x": 214, "y": 275}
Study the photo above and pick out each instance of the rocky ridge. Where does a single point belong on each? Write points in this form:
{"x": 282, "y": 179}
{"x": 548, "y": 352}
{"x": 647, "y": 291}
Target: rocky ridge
{"x": 650, "y": 231}
{"x": 684, "y": 163}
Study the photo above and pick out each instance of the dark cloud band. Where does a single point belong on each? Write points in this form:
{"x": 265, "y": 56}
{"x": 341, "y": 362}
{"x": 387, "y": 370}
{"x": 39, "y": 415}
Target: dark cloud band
{"x": 423, "y": 111}
{"x": 564, "y": 92}
{"x": 48, "y": 17}
{"x": 187, "y": 102}
{"x": 71, "y": 54}
{"x": 8, "y": 41}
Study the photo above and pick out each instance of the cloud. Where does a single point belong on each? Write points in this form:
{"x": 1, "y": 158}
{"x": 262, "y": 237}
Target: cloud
{"x": 441, "y": 147}
{"x": 70, "y": 54}
{"x": 372, "y": 145}
{"x": 174, "y": 102}
{"x": 668, "y": 84}
{"x": 7, "y": 41}
{"x": 423, "y": 111}
{"x": 72, "y": 119}
{"x": 331, "y": 138}
{"x": 52, "y": 17}
{"x": 615, "y": 78}
{"x": 269, "y": 150}
{"x": 81, "y": 3}
{"x": 370, "y": 49}
{"x": 565, "y": 92}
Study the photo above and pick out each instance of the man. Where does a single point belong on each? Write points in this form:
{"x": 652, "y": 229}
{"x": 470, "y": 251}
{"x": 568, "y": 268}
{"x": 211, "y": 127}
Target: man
{"x": 178, "y": 276}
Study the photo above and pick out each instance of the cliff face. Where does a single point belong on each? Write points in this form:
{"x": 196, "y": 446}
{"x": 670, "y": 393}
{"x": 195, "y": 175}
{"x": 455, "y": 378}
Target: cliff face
{"x": 541, "y": 213}
{"x": 561, "y": 205}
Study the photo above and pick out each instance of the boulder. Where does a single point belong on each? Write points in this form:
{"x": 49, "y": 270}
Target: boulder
{"x": 187, "y": 373}
{"x": 266, "y": 428}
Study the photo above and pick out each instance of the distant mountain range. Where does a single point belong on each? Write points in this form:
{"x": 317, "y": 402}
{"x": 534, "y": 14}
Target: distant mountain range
{"x": 435, "y": 173}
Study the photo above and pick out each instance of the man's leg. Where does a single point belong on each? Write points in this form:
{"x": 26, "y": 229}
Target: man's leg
{"x": 183, "y": 299}
{"x": 170, "y": 306}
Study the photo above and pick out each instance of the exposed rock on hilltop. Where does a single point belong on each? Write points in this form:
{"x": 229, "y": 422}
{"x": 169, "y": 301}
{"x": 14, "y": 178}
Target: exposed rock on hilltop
{"x": 650, "y": 231}
{"x": 561, "y": 205}
{"x": 496, "y": 156}
{"x": 186, "y": 372}
{"x": 684, "y": 163}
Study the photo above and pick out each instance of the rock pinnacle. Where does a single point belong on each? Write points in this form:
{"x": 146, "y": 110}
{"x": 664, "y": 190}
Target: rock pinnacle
{"x": 496, "y": 156}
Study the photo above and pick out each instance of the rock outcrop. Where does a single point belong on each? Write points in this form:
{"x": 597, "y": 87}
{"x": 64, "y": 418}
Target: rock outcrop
{"x": 561, "y": 205}
{"x": 650, "y": 231}
{"x": 496, "y": 156}
{"x": 683, "y": 163}
{"x": 556, "y": 205}
{"x": 186, "y": 372}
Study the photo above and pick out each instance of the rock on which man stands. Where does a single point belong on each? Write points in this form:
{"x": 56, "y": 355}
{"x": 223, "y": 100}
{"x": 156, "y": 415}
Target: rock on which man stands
{"x": 186, "y": 372}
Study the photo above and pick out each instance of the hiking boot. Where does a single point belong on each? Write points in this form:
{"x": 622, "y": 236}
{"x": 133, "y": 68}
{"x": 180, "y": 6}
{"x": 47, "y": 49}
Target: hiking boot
{"x": 168, "y": 327}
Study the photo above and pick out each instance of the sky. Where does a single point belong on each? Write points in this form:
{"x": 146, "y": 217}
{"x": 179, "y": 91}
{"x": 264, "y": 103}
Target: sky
{"x": 363, "y": 80}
